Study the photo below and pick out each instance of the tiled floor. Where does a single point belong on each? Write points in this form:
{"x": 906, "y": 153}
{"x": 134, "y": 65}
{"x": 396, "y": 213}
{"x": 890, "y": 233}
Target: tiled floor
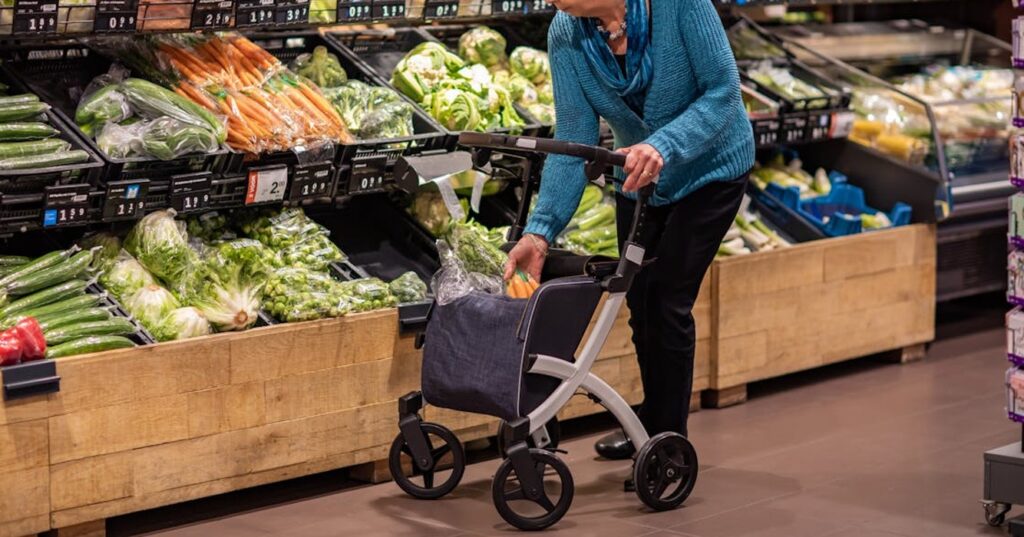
{"x": 859, "y": 450}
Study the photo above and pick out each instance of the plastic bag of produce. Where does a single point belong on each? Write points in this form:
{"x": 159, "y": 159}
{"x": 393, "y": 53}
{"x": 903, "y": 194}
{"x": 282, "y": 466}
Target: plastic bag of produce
{"x": 473, "y": 248}
{"x": 299, "y": 294}
{"x": 150, "y": 304}
{"x": 121, "y": 140}
{"x": 152, "y": 102}
{"x": 391, "y": 120}
{"x": 369, "y": 294}
{"x": 454, "y": 281}
{"x": 103, "y": 103}
{"x": 321, "y": 67}
{"x": 209, "y": 227}
{"x": 167, "y": 138}
{"x": 230, "y": 304}
{"x": 124, "y": 276}
{"x": 109, "y": 247}
{"x": 349, "y": 100}
{"x": 484, "y": 46}
{"x": 161, "y": 245}
{"x": 408, "y": 288}
{"x": 531, "y": 63}
{"x": 181, "y": 323}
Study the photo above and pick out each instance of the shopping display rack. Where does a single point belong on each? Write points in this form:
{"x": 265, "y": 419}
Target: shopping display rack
{"x": 529, "y": 371}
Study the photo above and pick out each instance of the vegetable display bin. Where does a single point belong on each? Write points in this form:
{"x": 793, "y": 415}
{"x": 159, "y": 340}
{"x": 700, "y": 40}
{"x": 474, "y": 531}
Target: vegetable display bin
{"x": 838, "y": 213}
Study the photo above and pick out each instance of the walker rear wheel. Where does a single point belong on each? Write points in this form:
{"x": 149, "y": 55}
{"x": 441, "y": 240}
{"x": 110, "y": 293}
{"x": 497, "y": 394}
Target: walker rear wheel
{"x": 547, "y": 506}
{"x": 554, "y": 437}
{"x": 665, "y": 471}
{"x": 441, "y": 476}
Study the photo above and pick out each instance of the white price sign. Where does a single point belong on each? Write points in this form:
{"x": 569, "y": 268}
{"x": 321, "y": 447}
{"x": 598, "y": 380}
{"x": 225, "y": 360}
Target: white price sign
{"x": 267, "y": 185}
{"x": 842, "y": 124}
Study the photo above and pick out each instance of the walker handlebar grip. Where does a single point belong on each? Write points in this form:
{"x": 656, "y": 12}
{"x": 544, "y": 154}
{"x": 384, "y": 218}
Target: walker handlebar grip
{"x": 527, "y": 144}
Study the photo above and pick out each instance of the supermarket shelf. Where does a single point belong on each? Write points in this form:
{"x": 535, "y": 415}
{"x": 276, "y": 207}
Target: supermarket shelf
{"x": 805, "y": 3}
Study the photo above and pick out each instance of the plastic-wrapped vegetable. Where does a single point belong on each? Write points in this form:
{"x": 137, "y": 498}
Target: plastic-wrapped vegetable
{"x": 531, "y": 63}
{"x": 167, "y": 138}
{"x": 391, "y": 120}
{"x": 230, "y": 305}
{"x": 349, "y": 99}
{"x": 408, "y": 288}
{"x": 428, "y": 209}
{"x": 546, "y": 93}
{"x": 181, "y": 323}
{"x": 483, "y": 45}
{"x": 150, "y": 303}
{"x": 475, "y": 251}
{"x": 297, "y": 240}
{"x": 125, "y": 276}
{"x": 161, "y": 245}
{"x": 299, "y": 294}
{"x": 367, "y": 294}
{"x": 321, "y": 67}
{"x": 209, "y": 227}
{"x": 423, "y": 68}
{"x": 109, "y": 247}
{"x": 105, "y": 105}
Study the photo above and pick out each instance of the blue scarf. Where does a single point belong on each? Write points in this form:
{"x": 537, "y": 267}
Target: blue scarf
{"x": 631, "y": 85}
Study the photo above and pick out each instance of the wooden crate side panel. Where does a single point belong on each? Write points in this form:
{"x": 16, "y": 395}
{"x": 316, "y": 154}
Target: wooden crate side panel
{"x": 25, "y": 502}
{"x": 879, "y": 251}
{"x": 30, "y": 408}
{"x": 228, "y": 408}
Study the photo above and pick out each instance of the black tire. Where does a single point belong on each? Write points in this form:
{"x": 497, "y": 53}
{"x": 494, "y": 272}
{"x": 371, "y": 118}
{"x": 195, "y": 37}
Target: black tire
{"x": 995, "y": 520}
{"x": 448, "y": 444}
{"x": 505, "y": 489}
{"x": 665, "y": 471}
{"x": 554, "y": 435}
{"x": 995, "y": 513}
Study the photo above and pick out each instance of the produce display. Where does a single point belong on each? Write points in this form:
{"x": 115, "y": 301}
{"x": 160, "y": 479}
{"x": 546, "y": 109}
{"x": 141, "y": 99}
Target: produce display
{"x": 748, "y": 44}
{"x": 786, "y": 84}
{"x": 27, "y": 140}
{"x": 369, "y": 112}
{"x": 592, "y": 230}
{"x": 459, "y": 96}
{"x": 749, "y": 234}
{"x": 791, "y": 174}
{"x": 408, "y": 288}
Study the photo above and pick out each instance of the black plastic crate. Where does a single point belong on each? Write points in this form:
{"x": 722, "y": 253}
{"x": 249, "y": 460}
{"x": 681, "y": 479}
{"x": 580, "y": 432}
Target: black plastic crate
{"x": 141, "y": 335}
{"x": 805, "y": 119}
{"x": 380, "y": 51}
{"x": 59, "y": 73}
{"x": 29, "y": 212}
{"x": 789, "y": 222}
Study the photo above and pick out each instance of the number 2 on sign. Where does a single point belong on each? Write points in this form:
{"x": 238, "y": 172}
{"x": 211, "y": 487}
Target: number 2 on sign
{"x": 266, "y": 185}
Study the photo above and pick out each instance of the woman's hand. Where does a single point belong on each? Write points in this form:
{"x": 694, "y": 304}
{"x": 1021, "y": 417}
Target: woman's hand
{"x": 643, "y": 166}
{"x": 527, "y": 255}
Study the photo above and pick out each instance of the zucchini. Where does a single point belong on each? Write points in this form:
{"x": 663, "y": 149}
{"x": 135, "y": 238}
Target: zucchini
{"x": 37, "y": 130}
{"x": 61, "y": 158}
{"x": 56, "y": 293}
{"x": 12, "y": 260}
{"x": 49, "y": 277}
{"x": 19, "y": 99}
{"x": 19, "y": 111}
{"x": 89, "y": 344}
{"x": 38, "y": 147}
{"x": 117, "y": 326}
{"x": 59, "y": 319}
{"x": 64, "y": 306}
{"x": 38, "y": 264}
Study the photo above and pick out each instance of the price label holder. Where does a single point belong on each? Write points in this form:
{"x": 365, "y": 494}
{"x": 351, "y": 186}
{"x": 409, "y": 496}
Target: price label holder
{"x": 30, "y": 379}
{"x": 65, "y": 205}
{"x": 125, "y": 200}
{"x": 267, "y": 184}
{"x": 842, "y": 124}
{"x": 255, "y": 13}
{"x": 190, "y": 192}
{"x": 292, "y": 12}
{"x": 115, "y": 16}
{"x": 509, "y": 7}
{"x": 354, "y": 10}
{"x": 211, "y": 14}
{"x": 441, "y": 9}
{"x": 34, "y": 17}
{"x": 312, "y": 181}
{"x": 369, "y": 174}
{"x": 538, "y": 6}
{"x": 388, "y": 9}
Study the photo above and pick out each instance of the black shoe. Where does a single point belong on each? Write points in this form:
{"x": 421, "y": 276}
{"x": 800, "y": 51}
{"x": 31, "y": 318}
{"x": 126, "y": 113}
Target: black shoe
{"x": 614, "y": 446}
{"x": 629, "y": 485}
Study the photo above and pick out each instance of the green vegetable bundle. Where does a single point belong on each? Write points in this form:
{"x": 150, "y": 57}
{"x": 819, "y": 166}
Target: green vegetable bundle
{"x": 408, "y": 288}
{"x": 301, "y": 294}
{"x": 27, "y": 140}
{"x": 473, "y": 247}
{"x": 297, "y": 240}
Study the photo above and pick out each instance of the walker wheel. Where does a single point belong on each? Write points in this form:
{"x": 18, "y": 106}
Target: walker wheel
{"x": 995, "y": 513}
{"x": 530, "y": 514}
{"x": 665, "y": 471}
{"x": 554, "y": 437}
{"x": 448, "y": 465}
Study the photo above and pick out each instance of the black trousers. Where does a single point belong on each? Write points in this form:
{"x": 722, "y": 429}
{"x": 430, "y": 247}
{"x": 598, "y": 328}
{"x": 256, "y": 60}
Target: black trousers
{"x": 684, "y": 238}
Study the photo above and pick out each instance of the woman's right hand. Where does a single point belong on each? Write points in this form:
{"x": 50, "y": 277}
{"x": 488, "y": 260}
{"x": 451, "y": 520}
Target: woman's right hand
{"x": 527, "y": 255}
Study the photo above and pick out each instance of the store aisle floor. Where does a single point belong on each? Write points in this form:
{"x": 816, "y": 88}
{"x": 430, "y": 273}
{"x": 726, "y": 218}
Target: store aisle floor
{"x": 859, "y": 450}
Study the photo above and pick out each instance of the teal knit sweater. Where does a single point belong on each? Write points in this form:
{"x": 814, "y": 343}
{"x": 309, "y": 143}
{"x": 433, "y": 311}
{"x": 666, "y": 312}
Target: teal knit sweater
{"x": 693, "y": 112}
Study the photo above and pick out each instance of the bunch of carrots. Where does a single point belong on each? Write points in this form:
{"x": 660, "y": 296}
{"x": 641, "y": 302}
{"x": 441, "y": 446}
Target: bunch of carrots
{"x": 268, "y": 108}
{"x": 521, "y": 285}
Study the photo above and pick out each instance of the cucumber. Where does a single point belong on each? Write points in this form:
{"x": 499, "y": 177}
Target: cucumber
{"x": 49, "y": 277}
{"x": 64, "y": 306}
{"x": 4, "y": 271}
{"x": 19, "y": 111}
{"x": 13, "y": 260}
{"x": 59, "y": 319}
{"x": 117, "y": 326}
{"x": 61, "y": 158}
{"x": 19, "y": 99}
{"x": 89, "y": 344}
{"x": 38, "y": 264}
{"x": 56, "y": 293}
{"x": 36, "y": 130}
{"x": 38, "y": 147}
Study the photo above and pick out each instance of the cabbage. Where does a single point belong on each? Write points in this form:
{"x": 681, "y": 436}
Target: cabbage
{"x": 161, "y": 245}
{"x": 125, "y": 276}
{"x": 531, "y": 63}
{"x": 230, "y": 305}
{"x": 150, "y": 303}
{"x": 181, "y": 323}
{"x": 484, "y": 46}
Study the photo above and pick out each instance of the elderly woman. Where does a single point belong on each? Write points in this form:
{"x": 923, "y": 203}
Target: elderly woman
{"x": 661, "y": 73}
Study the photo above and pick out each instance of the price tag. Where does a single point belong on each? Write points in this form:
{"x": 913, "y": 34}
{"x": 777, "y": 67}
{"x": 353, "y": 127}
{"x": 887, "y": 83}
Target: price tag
{"x": 34, "y": 17}
{"x": 254, "y": 12}
{"x": 388, "y": 9}
{"x": 65, "y": 205}
{"x": 125, "y": 200}
{"x": 292, "y": 12}
{"x": 354, "y": 10}
{"x": 441, "y": 9}
{"x": 842, "y": 124}
{"x": 266, "y": 185}
{"x": 312, "y": 181}
{"x": 509, "y": 7}
{"x": 190, "y": 192}
{"x": 207, "y": 14}
{"x": 116, "y": 16}
{"x": 368, "y": 175}
{"x": 539, "y": 6}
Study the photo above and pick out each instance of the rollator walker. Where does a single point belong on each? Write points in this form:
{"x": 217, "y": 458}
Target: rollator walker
{"x": 517, "y": 360}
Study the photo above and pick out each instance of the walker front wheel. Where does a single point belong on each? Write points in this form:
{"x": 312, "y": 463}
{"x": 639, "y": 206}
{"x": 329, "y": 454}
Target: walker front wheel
{"x": 665, "y": 471}
{"x": 443, "y": 472}
{"x": 528, "y": 508}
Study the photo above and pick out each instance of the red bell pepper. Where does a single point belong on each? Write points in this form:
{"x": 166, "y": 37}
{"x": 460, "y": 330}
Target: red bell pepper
{"x": 32, "y": 339}
{"x": 10, "y": 348}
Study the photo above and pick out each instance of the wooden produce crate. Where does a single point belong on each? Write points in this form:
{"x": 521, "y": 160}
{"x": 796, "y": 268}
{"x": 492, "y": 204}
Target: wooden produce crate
{"x": 819, "y": 303}
{"x": 24, "y": 468}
